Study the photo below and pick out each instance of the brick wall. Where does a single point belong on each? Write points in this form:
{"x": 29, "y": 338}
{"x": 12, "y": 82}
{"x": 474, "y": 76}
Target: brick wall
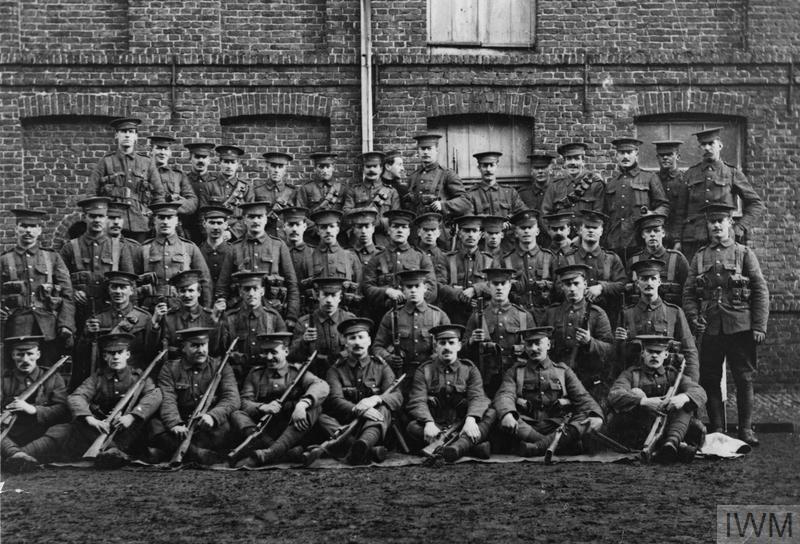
{"x": 285, "y": 75}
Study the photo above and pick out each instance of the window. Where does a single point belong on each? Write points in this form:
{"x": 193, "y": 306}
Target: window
{"x": 680, "y": 127}
{"x": 481, "y": 23}
{"x": 464, "y": 135}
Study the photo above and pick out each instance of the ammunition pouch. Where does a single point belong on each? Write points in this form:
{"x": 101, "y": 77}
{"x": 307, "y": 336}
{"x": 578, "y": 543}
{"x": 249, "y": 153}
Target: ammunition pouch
{"x": 49, "y": 296}
{"x": 386, "y": 280}
{"x": 81, "y": 280}
{"x": 148, "y": 278}
{"x": 671, "y": 292}
{"x": 739, "y": 289}
{"x": 700, "y": 287}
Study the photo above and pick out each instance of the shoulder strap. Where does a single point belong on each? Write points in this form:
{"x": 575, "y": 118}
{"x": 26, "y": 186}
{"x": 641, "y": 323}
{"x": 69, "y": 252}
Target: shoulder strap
{"x": 699, "y": 255}
{"x": 109, "y": 164}
{"x": 547, "y": 257}
{"x": 738, "y": 256}
{"x": 146, "y": 254}
{"x": 115, "y": 249}
{"x": 672, "y": 262}
{"x": 12, "y": 268}
{"x": 520, "y": 379}
{"x": 607, "y": 267}
{"x": 523, "y": 320}
{"x": 48, "y": 264}
{"x": 383, "y": 261}
{"x": 428, "y": 371}
{"x": 635, "y": 382}
{"x": 76, "y": 254}
{"x": 571, "y": 259}
{"x": 437, "y": 183}
{"x": 187, "y": 263}
{"x": 453, "y": 266}
{"x": 308, "y": 259}
{"x": 562, "y": 377}
{"x": 507, "y": 262}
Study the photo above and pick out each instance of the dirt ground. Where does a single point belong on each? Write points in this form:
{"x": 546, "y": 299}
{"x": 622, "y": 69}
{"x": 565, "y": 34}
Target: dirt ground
{"x": 519, "y": 502}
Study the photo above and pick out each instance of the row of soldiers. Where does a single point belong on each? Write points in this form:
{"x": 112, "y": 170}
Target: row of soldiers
{"x": 180, "y": 286}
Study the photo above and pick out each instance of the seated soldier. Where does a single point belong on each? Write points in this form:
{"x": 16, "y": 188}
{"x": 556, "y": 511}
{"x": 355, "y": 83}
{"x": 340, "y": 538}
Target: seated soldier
{"x": 317, "y": 331}
{"x": 26, "y": 422}
{"x": 260, "y": 396}
{"x": 93, "y": 401}
{"x": 638, "y": 396}
{"x": 183, "y": 383}
{"x": 448, "y": 391}
{"x": 358, "y": 382}
{"x": 536, "y": 397}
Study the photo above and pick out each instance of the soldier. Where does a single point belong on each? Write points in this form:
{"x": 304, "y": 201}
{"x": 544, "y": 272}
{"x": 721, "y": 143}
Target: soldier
{"x": 380, "y": 282}
{"x": 728, "y": 303}
{"x": 37, "y": 296}
{"x": 651, "y": 229}
{"x": 317, "y": 331}
{"x": 358, "y": 383}
{"x": 488, "y": 197}
{"x": 714, "y": 181}
{"x": 559, "y": 232}
{"x": 322, "y": 192}
{"x": 215, "y": 246}
{"x": 403, "y": 338}
{"x": 199, "y": 174}
{"x": 166, "y": 254}
{"x": 582, "y": 333}
{"x": 177, "y": 187}
{"x": 28, "y": 440}
{"x": 370, "y": 192}
{"x": 362, "y": 226}
{"x": 276, "y": 190}
{"x": 258, "y": 251}
{"x": 394, "y": 172}
{"x": 537, "y": 396}
{"x": 494, "y": 334}
{"x": 128, "y": 176}
{"x": 534, "y": 268}
{"x": 115, "y": 225}
{"x": 448, "y": 391}
{"x": 432, "y": 187}
{"x": 247, "y": 320}
{"x": 295, "y": 225}
{"x": 428, "y": 229}
{"x": 463, "y": 278}
{"x": 293, "y": 419}
{"x": 638, "y": 395}
{"x": 606, "y": 275}
{"x": 673, "y": 181}
{"x": 494, "y": 241}
{"x": 541, "y": 172}
{"x": 579, "y": 189}
{"x": 629, "y": 194}
{"x": 120, "y": 316}
{"x": 229, "y": 188}
{"x": 92, "y": 402}
{"x": 166, "y": 321}
{"x": 329, "y": 258}
{"x": 183, "y": 383}
{"x": 652, "y": 315}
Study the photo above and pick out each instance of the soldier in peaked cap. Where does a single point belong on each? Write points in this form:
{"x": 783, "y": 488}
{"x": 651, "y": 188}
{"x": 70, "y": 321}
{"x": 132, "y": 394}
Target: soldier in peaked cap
{"x": 115, "y": 225}
{"x": 489, "y": 197}
{"x": 323, "y": 191}
{"x": 296, "y": 225}
{"x": 494, "y": 241}
{"x": 177, "y": 187}
{"x": 128, "y": 176}
{"x": 714, "y": 181}
{"x": 559, "y": 231}
{"x": 630, "y": 193}
{"x": 535, "y": 398}
{"x": 215, "y": 245}
{"x": 370, "y": 192}
{"x": 229, "y": 187}
{"x": 673, "y": 181}
{"x": 427, "y": 230}
{"x": 360, "y": 236}
{"x": 578, "y": 189}
{"x": 200, "y": 154}
{"x": 532, "y": 194}
{"x": 276, "y": 189}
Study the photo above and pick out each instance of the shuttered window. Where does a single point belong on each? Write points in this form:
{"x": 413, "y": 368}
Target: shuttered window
{"x": 481, "y": 23}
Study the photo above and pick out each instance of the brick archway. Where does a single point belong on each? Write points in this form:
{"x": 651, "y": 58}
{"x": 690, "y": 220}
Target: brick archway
{"x": 691, "y": 101}
{"x": 274, "y": 103}
{"x": 459, "y": 102}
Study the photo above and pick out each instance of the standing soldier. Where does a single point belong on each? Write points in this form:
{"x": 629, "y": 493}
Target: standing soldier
{"x": 292, "y": 419}
{"x": 370, "y": 192}
{"x": 177, "y": 187}
{"x": 534, "y": 267}
{"x": 631, "y": 193}
{"x": 323, "y": 192}
{"x": 494, "y": 241}
{"x": 295, "y": 225}
{"x": 488, "y": 197}
{"x": 494, "y": 333}
{"x": 37, "y": 296}
{"x": 650, "y": 228}
{"x": 582, "y": 333}
{"x": 727, "y": 301}
{"x": 28, "y": 440}
{"x": 167, "y": 254}
{"x": 359, "y": 383}
{"x": 541, "y": 171}
{"x": 331, "y": 260}
{"x": 538, "y": 396}
{"x": 215, "y": 246}
{"x": 404, "y": 338}
{"x": 579, "y": 189}
{"x": 229, "y": 188}
{"x": 673, "y": 181}
{"x": 362, "y": 227}
{"x": 317, "y": 330}
{"x": 183, "y": 383}
{"x": 448, "y": 393}
{"x": 114, "y": 226}
{"x": 428, "y": 230}
{"x": 130, "y": 177}
{"x": 199, "y": 159}
{"x": 260, "y": 252}
{"x": 275, "y": 190}
{"x": 463, "y": 279}
{"x": 394, "y": 172}
{"x": 714, "y": 181}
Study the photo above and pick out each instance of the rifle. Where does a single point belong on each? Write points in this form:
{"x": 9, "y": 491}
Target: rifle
{"x": 434, "y": 450}
{"x": 8, "y": 418}
{"x": 551, "y": 449}
{"x": 479, "y": 307}
{"x": 202, "y": 407}
{"x": 342, "y": 432}
{"x": 396, "y": 349}
{"x": 262, "y": 424}
{"x": 94, "y": 352}
{"x": 620, "y": 345}
{"x": 660, "y": 424}
{"x": 125, "y": 404}
{"x": 573, "y": 356}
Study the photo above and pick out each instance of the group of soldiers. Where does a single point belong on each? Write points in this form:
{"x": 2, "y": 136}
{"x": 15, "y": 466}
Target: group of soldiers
{"x": 210, "y": 318}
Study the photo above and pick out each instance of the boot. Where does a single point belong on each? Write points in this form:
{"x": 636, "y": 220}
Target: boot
{"x": 714, "y": 407}
{"x": 20, "y": 463}
{"x": 112, "y": 458}
{"x": 481, "y": 450}
{"x": 532, "y": 449}
{"x": 744, "y": 402}
{"x": 686, "y": 453}
{"x": 696, "y": 433}
{"x": 153, "y": 456}
{"x": 457, "y": 449}
{"x": 359, "y": 451}
{"x": 41, "y": 447}
{"x": 379, "y": 454}
{"x": 202, "y": 456}
{"x": 668, "y": 452}
{"x": 294, "y": 455}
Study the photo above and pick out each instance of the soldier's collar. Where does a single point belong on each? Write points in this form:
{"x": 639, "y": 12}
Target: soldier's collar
{"x": 504, "y": 306}
{"x": 323, "y": 316}
{"x": 278, "y": 372}
{"x": 33, "y": 376}
{"x": 171, "y": 239}
{"x": 260, "y": 239}
{"x": 197, "y": 366}
{"x": 547, "y": 363}
{"x": 657, "y": 253}
{"x": 431, "y": 166}
{"x": 713, "y": 162}
{"x": 360, "y": 362}
{"x": 533, "y": 251}
{"x": 366, "y": 248}
{"x": 425, "y": 247}
{"x": 411, "y": 307}
{"x": 451, "y": 366}
{"x": 580, "y": 305}
{"x": 633, "y": 170}
{"x": 652, "y": 371}
{"x": 131, "y": 155}
{"x": 657, "y": 303}
{"x": 31, "y": 249}
{"x": 119, "y": 374}
{"x": 299, "y": 247}
{"x": 594, "y": 252}
{"x": 490, "y": 187}
{"x": 405, "y": 246}
{"x": 194, "y": 312}
{"x": 96, "y": 238}
{"x": 124, "y": 309}
{"x": 670, "y": 172}
{"x": 324, "y": 248}
{"x": 724, "y": 243}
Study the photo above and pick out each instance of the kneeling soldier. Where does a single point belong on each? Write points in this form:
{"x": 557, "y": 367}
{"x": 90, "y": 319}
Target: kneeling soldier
{"x": 448, "y": 391}
{"x": 539, "y": 396}
{"x": 261, "y": 392}
{"x": 358, "y": 382}
{"x": 26, "y": 422}
{"x": 639, "y": 394}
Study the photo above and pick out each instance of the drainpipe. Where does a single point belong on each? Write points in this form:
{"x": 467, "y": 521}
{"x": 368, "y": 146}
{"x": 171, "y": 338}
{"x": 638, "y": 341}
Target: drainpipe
{"x": 366, "y": 76}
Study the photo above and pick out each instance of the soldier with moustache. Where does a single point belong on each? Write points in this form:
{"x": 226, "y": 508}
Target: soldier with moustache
{"x": 177, "y": 187}
{"x": 579, "y": 189}
{"x": 228, "y": 188}
{"x": 295, "y": 226}
{"x": 115, "y": 225}
{"x": 199, "y": 174}
{"x": 323, "y": 192}
{"x": 331, "y": 259}
{"x": 488, "y": 197}
{"x": 276, "y": 189}
{"x": 673, "y": 181}
{"x": 370, "y": 192}
{"x": 559, "y": 231}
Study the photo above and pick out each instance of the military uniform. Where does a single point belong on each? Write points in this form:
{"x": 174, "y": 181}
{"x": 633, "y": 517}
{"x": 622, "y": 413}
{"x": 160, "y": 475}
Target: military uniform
{"x": 194, "y": 222}
{"x": 181, "y": 318}
{"x": 625, "y": 195}
{"x": 438, "y": 257}
{"x": 532, "y": 195}
{"x": 434, "y": 182}
{"x": 133, "y": 320}
{"x": 176, "y": 183}
{"x": 320, "y": 195}
{"x": 585, "y": 192}
{"x": 533, "y": 281}
{"x": 335, "y": 261}
{"x": 494, "y": 199}
{"x": 606, "y": 269}
{"x": 677, "y": 191}
{"x": 463, "y": 270}
{"x": 89, "y": 258}
{"x": 673, "y": 276}
{"x": 247, "y": 324}
{"x": 365, "y": 252}
{"x": 329, "y": 343}
{"x": 371, "y": 195}
{"x": 230, "y": 193}
{"x": 215, "y": 257}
